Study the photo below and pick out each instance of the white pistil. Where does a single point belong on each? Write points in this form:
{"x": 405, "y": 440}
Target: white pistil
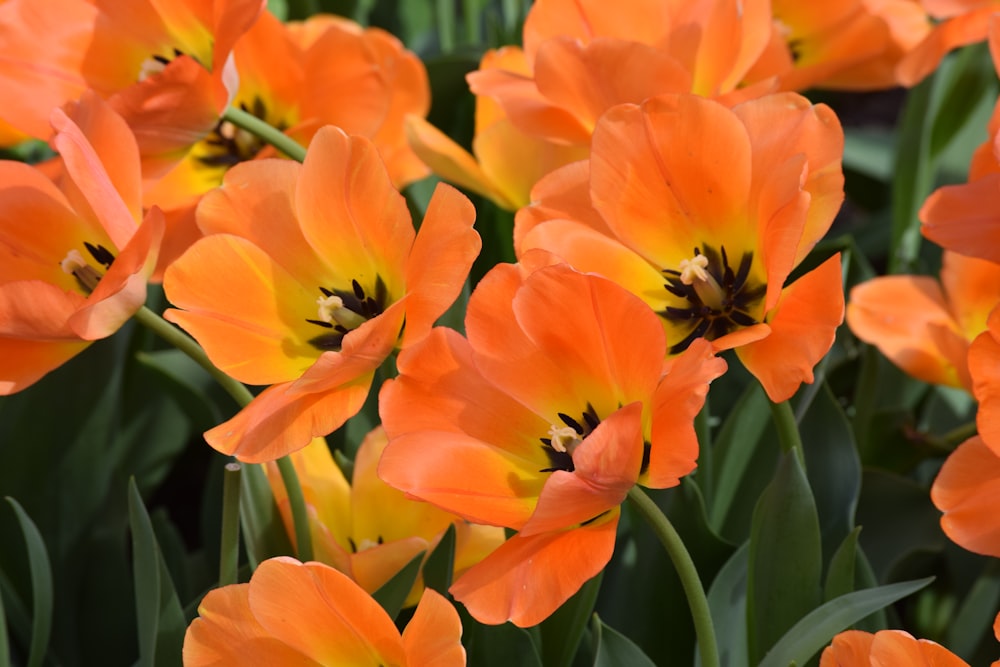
{"x": 332, "y": 310}
{"x": 366, "y": 544}
{"x": 150, "y": 67}
{"x": 564, "y": 438}
{"x": 87, "y": 276}
{"x": 694, "y": 272}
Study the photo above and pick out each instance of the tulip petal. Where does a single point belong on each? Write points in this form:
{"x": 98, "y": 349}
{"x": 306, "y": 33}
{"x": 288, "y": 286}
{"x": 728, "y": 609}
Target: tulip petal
{"x": 803, "y": 327}
{"x": 967, "y": 490}
{"x": 433, "y": 636}
{"x": 528, "y": 578}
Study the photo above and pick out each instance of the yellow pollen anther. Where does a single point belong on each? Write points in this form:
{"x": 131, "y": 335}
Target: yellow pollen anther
{"x": 564, "y": 438}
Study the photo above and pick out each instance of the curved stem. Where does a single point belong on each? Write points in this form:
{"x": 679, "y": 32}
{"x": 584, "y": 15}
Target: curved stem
{"x": 300, "y": 518}
{"x": 271, "y": 135}
{"x": 693, "y": 589}
{"x": 190, "y": 347}
{"x": 242, "y": 395}
{"x": 788, "y": 429}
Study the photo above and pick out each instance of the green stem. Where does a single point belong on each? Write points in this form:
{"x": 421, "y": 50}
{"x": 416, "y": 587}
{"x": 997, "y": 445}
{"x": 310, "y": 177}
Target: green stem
{"x": 686, "y": 571}
{"x": 788, "y": 429}
{"x": 188, "y": 346}
{"x": 470, "y": 12}
{"x": 953, "y": 438}
{"x": 445, "y": 10}
{"x": 303, "y": 540}
{"x": 242, "y": 395}
{"x": 229, "y": 552}
{"x": 271, "y": 135}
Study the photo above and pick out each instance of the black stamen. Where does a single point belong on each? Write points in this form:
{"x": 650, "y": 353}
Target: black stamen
{"x": 572, "y": 423}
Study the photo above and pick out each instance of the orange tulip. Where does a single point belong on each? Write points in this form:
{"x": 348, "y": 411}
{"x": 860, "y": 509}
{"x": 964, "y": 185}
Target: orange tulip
{"x": 367, "y": 529}
{"x": 146, "y": 54}
{"x": 923, "y": 326}
{"x": 961, "y": 22}
{"x": 966, "y": 218}
{"x": 555, "y": 406}
{"x": 704, "y": 211}
{"x": 583, "y": 58}
{"x": 846, "y": 44}
{"x": 309, "y": 614}
{"x": 966, "y": 490}
{"x": 888, "y": 648}
{"x": 75, "y": 258}
{"x": 984, "y": 367}
{"x": 304, "y": 280}
{"x": 507, "y": 161}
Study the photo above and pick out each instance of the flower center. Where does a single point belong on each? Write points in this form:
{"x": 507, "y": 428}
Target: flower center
{"x": 341, "y": 311}
{"x": 228, "y": 145}
{"x": 715, "y": 298}
{"x": 87, "y": 276}
{"x": 564, "y": 439}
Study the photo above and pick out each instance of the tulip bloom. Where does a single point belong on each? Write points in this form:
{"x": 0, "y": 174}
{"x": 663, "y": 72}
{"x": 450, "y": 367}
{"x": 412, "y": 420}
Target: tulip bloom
{"x": 966, "y": 490}
{"x": 555, "y": 406}
{"x": 960, "y": 23}
{"x": 309, "y": 614}
{"x": 844, "y": 44}
{"x": 703, "y": 212}
{"x": 966, "y": 218}
{"x": 304, "y": 280}
{"x": 507, "y": 162}
{"x": 75, "y": 258}
{"x": 923, "y": 326}
{"x": 984, "y": 367}
{"x": 854, "y": 648}
{"x": 583, "y": 58}
{"x": 367, "y": 529}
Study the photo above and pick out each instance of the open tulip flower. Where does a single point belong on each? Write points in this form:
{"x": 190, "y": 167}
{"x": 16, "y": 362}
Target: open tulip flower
{"x": 310, "y": 615}
{"x": 325, "y": 267}
{"x": 704, "y": 211}
{"x": 966, "y": 490}
{"x": 74, "y": 259}
{"x": 923, "y": 326}
{"x": 555, "y": 406}
{"x": 887, "y": 648}
{"x": 367, "y": 529}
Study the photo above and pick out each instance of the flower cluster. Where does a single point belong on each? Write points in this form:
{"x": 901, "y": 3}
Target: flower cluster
{"x": 506, "y": 396}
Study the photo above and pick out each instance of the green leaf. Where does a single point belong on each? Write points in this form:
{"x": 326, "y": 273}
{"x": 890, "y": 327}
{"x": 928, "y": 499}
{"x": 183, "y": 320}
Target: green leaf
{"x": 159, "y": 614}
{"x": 785, "y": 560}
{"x": 41, "y": 586}
{"x": 263, "y": 530}
{"x": 840, "y": 574}
{"x": 563, "y": 630}
{"x": 977, "y": 612}
{"x": 497, "y": 645}
{"x": 187, "y": 383}
{"x": 913, "y": 177}
{"x": 832, "y": 467}
{"x": 727, "y": 601}
{"x": 440, "y": 565}
{"x": 816, "y": 629}
{"x": 4, "y": 641}
{"x": 613, "y": 649}
{"x": 735, "y": 452}
{"x": 964, "y": 81}
{"x": 899, "y": 521}
{"x": 393, "y": 593}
